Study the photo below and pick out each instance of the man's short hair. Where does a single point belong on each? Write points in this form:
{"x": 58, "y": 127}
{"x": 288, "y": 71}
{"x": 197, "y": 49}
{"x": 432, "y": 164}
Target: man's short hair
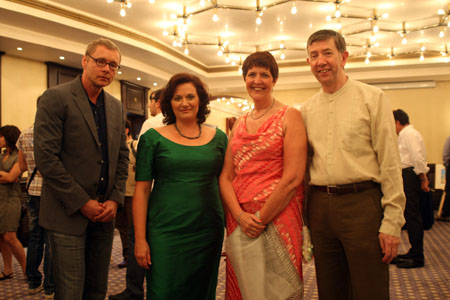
{"x": 401, "y": 117}
{"x": 156, "y": 95}
{"x": 326, "y": 34}
{"x": 102, "y": 42}
{"x": 128, "y": 126}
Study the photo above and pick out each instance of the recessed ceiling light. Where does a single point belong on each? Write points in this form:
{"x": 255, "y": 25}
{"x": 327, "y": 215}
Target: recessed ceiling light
{"x": 139, "y": 78}
{"x": 119, "y": 72}
{"x": 19, "y": 48}
{"x": 155, "y": 83}
{"x": 62, "y": 58}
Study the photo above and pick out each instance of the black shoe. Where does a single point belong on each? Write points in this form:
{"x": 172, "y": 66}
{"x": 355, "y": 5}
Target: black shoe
{"x": 404, "y": 256}
{"x": 119, "y": 296}
{"x": 444, "y": 219}
{"x": 397, "y": 260}
{"x": 410, "y": 264}
{"x": 123, "y": 264}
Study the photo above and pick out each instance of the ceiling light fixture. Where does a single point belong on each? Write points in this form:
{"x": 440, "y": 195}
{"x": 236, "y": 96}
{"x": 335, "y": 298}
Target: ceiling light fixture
{"x": 19, "y": 48}
{"x": 294, "y": 8}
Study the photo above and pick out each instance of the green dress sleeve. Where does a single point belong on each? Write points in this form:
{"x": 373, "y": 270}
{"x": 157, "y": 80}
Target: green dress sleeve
{"x": 145, "y": 157}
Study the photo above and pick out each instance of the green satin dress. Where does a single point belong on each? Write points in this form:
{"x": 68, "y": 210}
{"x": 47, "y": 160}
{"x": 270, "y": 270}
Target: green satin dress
{"x": 185, "y": 222}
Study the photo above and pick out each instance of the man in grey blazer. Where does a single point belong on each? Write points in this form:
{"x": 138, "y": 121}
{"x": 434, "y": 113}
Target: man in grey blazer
{"x": 80, "y": 150}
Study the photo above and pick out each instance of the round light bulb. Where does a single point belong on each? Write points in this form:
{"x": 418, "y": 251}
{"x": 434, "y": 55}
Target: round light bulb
{"x": 258, "y": 20}
{"x": 293, "y": 9}
{"x": 122, "y": 12}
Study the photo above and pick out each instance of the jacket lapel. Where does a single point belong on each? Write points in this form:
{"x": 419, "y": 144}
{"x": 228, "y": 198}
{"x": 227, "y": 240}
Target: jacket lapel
{"x": 82, "y": 102}
{"x": 109, "y": 112}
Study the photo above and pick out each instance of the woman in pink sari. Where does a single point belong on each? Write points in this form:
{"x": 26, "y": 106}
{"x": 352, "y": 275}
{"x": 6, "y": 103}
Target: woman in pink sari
{"x": 261, "y": 181}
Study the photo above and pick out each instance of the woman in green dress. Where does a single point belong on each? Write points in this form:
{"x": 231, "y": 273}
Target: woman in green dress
{"x": 179, "y": 224}
{"x": 10, "y": 204}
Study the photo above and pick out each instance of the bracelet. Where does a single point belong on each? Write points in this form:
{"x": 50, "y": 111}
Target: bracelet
{"x": 238, "y": 219}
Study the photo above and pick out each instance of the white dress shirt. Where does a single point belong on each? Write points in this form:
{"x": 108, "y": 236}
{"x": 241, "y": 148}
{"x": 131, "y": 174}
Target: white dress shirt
{"x": 412, "y": 150}
{"x": 152, "y": 122}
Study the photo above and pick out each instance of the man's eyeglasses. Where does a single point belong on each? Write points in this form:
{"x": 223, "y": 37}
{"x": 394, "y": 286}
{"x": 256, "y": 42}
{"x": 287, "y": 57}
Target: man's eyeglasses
{"x": 101, "y": 62}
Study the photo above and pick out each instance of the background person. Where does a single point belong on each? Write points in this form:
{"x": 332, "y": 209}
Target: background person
{"x": 80, "y": 150}
{"x": 135, "y": 274}
{"x": 10, "y": 203}
{"x": 124, "y": 216}
{"x": 445, "y": 215}
{"x": 38, "y": 239}
{"x": 264, "y": 168}
{"x": 414, "y": 173}
{"x": 154, "y": 106}
{"x": 355, "y": 208}
{"x": 179, "y": 225}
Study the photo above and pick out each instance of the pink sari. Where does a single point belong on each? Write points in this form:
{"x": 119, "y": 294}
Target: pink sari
{"x": 258, "y": 162}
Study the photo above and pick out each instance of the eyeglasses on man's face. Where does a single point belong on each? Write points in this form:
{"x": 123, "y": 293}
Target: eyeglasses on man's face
{"x": 101, "y": 62}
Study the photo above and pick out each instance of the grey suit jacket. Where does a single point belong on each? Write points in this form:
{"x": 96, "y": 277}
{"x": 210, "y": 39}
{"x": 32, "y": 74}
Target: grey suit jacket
{"x": 67, "y": 154}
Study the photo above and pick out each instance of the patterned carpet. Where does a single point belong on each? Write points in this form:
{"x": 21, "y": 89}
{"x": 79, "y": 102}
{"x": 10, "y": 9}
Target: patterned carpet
{"x": 428, "y": 283}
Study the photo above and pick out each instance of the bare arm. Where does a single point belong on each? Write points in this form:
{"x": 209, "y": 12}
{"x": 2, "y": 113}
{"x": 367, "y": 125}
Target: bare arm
{"x": 22, "y": 162}
{"x": 294, "y": 164}
{"x": 12, "y": 175}
{"x": 140, "y": 206}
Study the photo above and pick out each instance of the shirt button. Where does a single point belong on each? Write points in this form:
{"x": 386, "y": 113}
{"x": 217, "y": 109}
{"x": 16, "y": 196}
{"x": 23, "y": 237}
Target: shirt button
{"x": 102, "y": 179}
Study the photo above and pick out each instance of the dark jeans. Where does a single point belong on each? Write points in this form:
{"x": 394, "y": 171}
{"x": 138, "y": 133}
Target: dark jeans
{"x": 81, "y": 263}
{"x": 122, "y": 223}
{"x": 413, "y": 215}
{"x": 446, "y": 208}
{"x": 36, "y": 243}
{"x": 135, "y": 274}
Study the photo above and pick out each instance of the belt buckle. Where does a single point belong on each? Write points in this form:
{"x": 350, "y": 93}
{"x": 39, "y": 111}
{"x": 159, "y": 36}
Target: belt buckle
{"x": 328, "y": 189}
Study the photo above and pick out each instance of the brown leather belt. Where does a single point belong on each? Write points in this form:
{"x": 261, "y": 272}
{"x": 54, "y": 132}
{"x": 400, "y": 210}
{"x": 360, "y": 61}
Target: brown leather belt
{"x": 346, "y": 188}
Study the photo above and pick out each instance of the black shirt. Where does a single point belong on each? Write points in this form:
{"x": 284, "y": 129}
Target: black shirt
{"x": 98, "y": 111}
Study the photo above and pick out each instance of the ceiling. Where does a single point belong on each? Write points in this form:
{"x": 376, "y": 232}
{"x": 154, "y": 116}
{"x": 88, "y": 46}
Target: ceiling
{"x": 148, "y": 32}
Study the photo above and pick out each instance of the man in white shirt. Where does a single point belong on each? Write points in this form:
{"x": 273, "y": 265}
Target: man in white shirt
{"x": 414, "y": 170}
{"x": 355, "y": 208}
{"x": 445, "y": 216}
{"x": 156, "y": 119}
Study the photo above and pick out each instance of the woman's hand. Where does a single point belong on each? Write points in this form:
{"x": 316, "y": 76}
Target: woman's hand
{"x": 142, "y": 254}
{"x": 250, "y": 224}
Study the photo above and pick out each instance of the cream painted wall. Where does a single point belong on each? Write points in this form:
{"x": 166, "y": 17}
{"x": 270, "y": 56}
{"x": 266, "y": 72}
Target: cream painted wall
{"x": 218, "y": 118}
{"x": 22, "y": 83}
{"x": 429, "y": 113}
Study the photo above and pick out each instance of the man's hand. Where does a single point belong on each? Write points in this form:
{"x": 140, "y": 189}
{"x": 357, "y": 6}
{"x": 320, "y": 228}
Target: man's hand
{"x": 91, "y": 209}
{"x": 109, "y": 212}
{"x": 389, "y": 246}
{"x": 424, "y": 185}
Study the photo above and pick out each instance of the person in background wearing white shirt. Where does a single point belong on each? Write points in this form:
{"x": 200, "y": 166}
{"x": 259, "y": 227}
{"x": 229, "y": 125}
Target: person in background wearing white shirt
{"x": 135, "y": 274}
{"x": 445, "y": 216}
{"x": 157, "y": 117}
{"x": 355, "y": 208}
{"x": 414, "y": 171}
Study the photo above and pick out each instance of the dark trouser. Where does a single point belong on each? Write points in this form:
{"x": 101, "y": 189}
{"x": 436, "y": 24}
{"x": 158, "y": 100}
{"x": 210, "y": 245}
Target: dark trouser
{"x": 344, "y": 231}
{"x": 446, "y": 208}
{"x": 413, "y": 215}
{"x": 38, "y": 238}
{"x": 122, "y": 223}
{"x": 81, "y": 263}
{"x": 135, "y": 274}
